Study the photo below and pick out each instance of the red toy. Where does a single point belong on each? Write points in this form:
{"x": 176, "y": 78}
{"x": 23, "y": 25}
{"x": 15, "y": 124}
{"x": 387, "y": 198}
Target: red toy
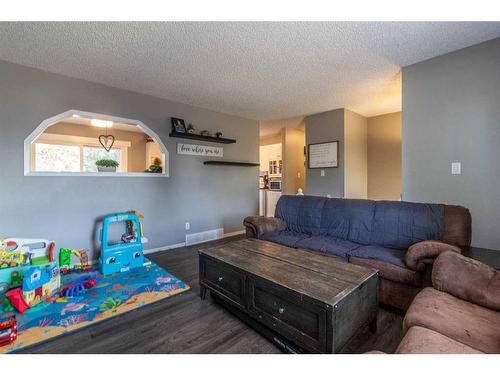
{"x": 89, "y": 283}
{"x": 15, "y": 297}
{"x": 8, "y": 329}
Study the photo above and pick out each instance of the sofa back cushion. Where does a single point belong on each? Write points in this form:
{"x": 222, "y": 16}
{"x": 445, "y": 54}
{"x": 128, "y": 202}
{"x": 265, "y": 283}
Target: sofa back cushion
{"x": 399, "y": 225}
{"x": 348, "y": 219}
{"x": 392, "y": 224}
{"x": 302, "y": 214}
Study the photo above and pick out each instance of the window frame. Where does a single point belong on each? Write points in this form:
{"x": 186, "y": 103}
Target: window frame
{"x": 55, "y": 119}
{"x": 81, "y": 142}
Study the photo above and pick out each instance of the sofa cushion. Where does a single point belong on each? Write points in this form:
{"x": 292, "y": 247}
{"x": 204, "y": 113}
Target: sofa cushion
{"x": 401, "y": 224}
{"x": 390, "y": 271}
{"x": 284, "y": 237}
{"x": 302, "y": 214}
{"x": 419, "y": 340}
{"x": 392, "y": 256}
{"x": 326, "y": 244}
{"x": 462, "y": 321}
{"x": 348, "y": 219}
{"x": 467, "y": 279}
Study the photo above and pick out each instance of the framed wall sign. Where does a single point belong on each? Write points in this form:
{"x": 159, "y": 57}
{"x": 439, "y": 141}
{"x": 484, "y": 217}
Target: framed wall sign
{"x": 200, "y": 150}
{"x": 323, "y": 155}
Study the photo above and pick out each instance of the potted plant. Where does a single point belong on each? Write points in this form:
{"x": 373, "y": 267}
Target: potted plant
{"x": 155, "y": 167}
{"x": 106, "y": 165}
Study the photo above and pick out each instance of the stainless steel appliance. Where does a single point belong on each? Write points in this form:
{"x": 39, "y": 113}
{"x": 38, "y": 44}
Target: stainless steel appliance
{"x": 275, "y": 184}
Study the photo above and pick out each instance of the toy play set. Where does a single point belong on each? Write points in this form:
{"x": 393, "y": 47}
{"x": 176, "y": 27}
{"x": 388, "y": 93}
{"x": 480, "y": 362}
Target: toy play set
{"x": 65, "y": 260}
{"x": 19, "y": 255}
{"x": 29, "y": 274}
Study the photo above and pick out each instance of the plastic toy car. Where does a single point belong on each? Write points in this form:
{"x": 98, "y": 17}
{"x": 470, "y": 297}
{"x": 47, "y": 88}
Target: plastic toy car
{"x": 89, "y": 283}
{"x": 8, "y": 329}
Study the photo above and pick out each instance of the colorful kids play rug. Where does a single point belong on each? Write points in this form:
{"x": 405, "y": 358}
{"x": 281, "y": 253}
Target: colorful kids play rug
{"x": 113, "y": 295}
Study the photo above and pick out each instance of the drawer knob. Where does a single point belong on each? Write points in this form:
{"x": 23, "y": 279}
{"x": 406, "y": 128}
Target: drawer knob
{"x": 281, "y": 310}
{"x": 220, "y": 279}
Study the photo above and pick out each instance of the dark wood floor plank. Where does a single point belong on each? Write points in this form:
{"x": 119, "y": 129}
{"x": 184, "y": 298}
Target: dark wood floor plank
{"x": 186, "y": 324}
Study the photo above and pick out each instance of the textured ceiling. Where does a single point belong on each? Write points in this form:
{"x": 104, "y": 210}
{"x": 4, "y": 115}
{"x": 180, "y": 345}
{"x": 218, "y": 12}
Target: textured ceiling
{"x": 255, "y": 70}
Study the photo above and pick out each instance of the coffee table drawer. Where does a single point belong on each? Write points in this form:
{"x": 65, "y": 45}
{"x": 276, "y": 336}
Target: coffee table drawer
{"x": 287, "y": 313}
{"x": 223, "y": 279}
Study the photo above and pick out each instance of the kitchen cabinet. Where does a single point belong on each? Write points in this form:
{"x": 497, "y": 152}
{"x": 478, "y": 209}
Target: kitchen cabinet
{"x": 271, "y": 159}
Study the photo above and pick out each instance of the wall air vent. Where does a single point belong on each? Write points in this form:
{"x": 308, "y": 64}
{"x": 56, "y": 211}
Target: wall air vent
{"x": 209, "y": 235}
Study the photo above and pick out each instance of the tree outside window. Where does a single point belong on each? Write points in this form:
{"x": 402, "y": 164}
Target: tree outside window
{"x": 57, "y": 158}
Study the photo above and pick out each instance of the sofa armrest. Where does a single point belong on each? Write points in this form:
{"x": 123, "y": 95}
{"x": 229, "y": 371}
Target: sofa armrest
{"x": 467, "y": 279}
{"x": 256, "y": 226}
{"x": 425, "y": 252}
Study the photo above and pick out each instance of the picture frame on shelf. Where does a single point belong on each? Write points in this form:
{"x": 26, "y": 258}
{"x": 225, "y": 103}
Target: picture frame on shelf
{"x": 178, "y": 125}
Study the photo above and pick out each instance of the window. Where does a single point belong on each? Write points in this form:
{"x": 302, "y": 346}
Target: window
{"x": 62, "y": 153}
{"x": 35, "y": 276}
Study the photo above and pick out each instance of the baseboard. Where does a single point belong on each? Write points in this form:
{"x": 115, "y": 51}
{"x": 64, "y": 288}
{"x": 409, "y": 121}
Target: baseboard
{"x": 163, "y": 248}
{"x": 183, "y": 244}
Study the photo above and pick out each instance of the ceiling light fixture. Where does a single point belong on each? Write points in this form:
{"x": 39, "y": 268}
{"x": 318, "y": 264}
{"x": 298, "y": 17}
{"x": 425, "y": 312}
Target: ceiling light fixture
{"x": 101, "y": 123}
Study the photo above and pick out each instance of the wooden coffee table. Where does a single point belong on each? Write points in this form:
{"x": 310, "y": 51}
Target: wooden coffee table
{"x": 303, "y": 301}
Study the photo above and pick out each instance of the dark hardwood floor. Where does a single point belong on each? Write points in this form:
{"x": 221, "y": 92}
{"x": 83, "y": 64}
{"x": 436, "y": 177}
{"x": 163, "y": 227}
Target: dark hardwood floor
{"x": 186, "y": 324}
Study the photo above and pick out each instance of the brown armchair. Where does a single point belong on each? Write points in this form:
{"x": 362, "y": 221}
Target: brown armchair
{"x": 460, "y": 314}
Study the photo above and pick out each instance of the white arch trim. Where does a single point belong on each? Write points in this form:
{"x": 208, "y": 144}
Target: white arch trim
{"x": 57, "y": 118}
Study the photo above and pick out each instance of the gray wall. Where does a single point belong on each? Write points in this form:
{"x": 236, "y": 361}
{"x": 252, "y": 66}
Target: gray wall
{"x": 326, "y": 127}
{"x": 65, "y": 208}
{"x": 451, "y": 112}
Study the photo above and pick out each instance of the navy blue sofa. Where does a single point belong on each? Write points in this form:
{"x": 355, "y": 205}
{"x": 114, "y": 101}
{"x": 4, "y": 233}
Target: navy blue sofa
{"x": 400, "y": 239}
